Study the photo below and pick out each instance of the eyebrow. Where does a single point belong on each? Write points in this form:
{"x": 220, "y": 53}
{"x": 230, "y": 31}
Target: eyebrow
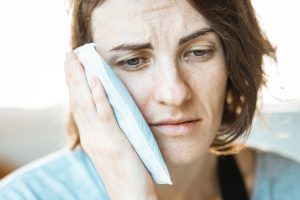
{"x": 183, "y": 40}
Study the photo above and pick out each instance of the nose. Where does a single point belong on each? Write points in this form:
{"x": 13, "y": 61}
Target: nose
{"x": 171, "y": 87}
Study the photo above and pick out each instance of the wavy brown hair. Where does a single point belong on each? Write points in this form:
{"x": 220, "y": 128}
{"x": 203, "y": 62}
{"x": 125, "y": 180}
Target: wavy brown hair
{"x": 244, "y": 45}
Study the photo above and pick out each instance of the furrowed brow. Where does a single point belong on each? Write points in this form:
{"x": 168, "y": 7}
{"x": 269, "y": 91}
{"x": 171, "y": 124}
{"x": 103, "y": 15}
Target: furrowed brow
{"x": 135, "y": 47}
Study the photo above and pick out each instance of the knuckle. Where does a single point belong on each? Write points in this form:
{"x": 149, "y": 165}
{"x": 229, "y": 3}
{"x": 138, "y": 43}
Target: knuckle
{"x": 75, "y": 80}
{"x": 98, "y": 96}
{"x": 71, "y": 74}
{"x": 104, "y": 110}
{"x": 80, "y": 105}
{"x": 104, "y": 113}
{"x": 85, "y": 105}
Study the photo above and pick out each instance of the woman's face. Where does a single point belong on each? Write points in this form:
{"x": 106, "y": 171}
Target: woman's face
{"x": 170, "y": 72}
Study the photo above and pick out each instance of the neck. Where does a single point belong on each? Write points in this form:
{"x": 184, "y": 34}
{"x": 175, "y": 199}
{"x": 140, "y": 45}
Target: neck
{"x": 199, "y": 179}
{"x": 192, "y": 180}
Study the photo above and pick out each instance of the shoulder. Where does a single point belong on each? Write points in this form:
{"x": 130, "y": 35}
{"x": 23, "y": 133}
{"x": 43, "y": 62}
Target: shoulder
{"x": 278, "y": 167}
{"x": 277, "y": 176}
{"x": 65, "y": 174}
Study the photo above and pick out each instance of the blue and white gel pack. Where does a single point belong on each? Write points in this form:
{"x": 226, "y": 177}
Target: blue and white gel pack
{"x": 128, "y": 116}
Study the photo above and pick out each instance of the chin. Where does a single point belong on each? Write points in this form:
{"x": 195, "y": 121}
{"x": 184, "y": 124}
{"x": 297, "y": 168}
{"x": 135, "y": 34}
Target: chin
{"x": 182, "y": 152}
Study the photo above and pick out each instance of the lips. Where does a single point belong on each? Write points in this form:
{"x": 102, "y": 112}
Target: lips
{"x": 172, "y": 128}
{"x": 173, "y": 122}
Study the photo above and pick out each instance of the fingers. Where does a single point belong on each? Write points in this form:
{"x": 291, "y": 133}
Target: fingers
{"x": 92, "y": 106}
{"x": 80, "y": 97}
{"x": 103, "y": 107}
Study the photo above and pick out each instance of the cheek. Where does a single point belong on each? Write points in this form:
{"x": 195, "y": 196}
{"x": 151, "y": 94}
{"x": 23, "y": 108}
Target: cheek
{"x": 217, "y": 87}
{"x": 211, "y": 89}
{"x": 139, "y": 86}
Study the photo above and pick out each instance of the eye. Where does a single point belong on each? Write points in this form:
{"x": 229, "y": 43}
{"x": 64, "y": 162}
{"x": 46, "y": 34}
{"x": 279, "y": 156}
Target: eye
{"x": 199, "y": 54}
{"x": 133, "y": 63}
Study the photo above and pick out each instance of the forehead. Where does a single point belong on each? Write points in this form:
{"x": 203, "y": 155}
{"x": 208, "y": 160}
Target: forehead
{"x": 144, "y": 20}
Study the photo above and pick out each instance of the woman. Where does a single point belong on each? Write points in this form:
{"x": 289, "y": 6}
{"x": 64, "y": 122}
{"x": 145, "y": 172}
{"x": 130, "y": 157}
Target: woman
{"x": 194, "y": 69}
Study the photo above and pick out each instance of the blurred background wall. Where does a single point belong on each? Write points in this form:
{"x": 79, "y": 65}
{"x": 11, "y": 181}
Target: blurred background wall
{"x": 34, "y": 38}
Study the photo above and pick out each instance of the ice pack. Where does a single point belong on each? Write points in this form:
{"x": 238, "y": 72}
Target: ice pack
{"x": 127, "y": 114}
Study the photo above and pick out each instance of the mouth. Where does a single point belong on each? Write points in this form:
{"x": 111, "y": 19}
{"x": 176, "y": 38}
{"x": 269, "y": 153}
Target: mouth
{"x": 176, "y": 129}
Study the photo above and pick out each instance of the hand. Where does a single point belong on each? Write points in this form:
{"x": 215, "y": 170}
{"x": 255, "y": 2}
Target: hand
{"x": 115, "y": 160}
